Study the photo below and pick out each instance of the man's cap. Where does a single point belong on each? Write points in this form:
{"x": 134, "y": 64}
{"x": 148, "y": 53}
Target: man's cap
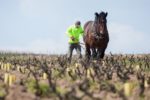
{"x": 77, "y": 23}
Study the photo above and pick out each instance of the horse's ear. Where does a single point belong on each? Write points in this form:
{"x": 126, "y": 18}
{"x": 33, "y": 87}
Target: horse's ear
{"x": 106, "y": 14}
{"x": 96, "y": 14}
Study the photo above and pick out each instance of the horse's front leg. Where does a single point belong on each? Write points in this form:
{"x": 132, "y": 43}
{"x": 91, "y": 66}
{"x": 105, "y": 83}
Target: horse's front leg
{"x": 94, "y": 54}
{"x": 100, "y": 53}
{"x": 103, "y": 52}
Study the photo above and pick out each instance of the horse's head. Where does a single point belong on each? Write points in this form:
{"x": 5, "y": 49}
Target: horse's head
{"x": 100, "y": 22}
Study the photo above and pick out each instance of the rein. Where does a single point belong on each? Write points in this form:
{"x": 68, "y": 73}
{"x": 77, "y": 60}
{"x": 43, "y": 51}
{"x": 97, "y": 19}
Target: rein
{"x": 82, "y": 44}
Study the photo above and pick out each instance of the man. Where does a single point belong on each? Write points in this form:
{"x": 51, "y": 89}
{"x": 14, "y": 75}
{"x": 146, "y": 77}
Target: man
{"x": 74, "y": 32}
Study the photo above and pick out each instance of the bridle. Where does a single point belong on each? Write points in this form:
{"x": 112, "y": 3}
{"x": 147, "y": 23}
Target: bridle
{"x": 97, "y": 28}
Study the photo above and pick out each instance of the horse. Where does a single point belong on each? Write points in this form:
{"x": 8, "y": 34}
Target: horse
{"x": 96, "y": 36}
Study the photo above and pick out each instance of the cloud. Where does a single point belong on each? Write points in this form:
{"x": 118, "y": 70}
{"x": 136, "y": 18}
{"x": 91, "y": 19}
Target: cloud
{"x": 127, "y": 39}
{"x": 46, "y": 46}
{"x": 33, "y": 8}
{"x": 123, "y": 39}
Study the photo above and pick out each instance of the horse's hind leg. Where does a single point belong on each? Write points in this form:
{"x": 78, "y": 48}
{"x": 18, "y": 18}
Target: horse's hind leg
{"x": 87, "y": 52}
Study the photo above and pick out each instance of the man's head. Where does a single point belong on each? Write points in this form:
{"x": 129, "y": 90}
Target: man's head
{"x": 77, "y": 24}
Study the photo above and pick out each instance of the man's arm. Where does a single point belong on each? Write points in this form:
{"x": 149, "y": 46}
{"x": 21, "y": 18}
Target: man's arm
{"x": 81, "y": 31}
{"x": 69, "y": 33}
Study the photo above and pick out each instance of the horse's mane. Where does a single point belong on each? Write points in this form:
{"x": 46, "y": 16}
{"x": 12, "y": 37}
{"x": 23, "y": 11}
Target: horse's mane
{"x": 102, "y": 13}
{"x": 98, "y": 16}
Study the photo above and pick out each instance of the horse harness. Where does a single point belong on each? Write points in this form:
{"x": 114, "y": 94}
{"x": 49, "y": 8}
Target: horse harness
{"x": 97, "y": 35}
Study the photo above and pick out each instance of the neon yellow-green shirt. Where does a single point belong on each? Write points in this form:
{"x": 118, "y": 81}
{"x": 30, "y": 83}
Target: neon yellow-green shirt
{"x": 72, "y": 31}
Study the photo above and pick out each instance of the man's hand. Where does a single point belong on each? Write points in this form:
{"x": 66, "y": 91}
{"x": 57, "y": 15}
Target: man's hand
{"x": 72, "y": 38}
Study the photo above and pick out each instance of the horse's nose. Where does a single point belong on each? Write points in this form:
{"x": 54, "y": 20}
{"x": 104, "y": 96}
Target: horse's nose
{"x": 101, "y": 21}
{"x": 101, "y": 32}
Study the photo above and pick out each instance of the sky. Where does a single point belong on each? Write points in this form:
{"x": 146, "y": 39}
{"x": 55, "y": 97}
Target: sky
{"x": 39, "y": 26}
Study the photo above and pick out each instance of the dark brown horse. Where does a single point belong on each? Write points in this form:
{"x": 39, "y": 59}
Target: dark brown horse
{"x": 96, "y": 36}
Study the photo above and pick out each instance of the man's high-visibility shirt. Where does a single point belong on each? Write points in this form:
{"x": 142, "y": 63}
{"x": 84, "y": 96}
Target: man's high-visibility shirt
{"x": 75, "y": 32}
